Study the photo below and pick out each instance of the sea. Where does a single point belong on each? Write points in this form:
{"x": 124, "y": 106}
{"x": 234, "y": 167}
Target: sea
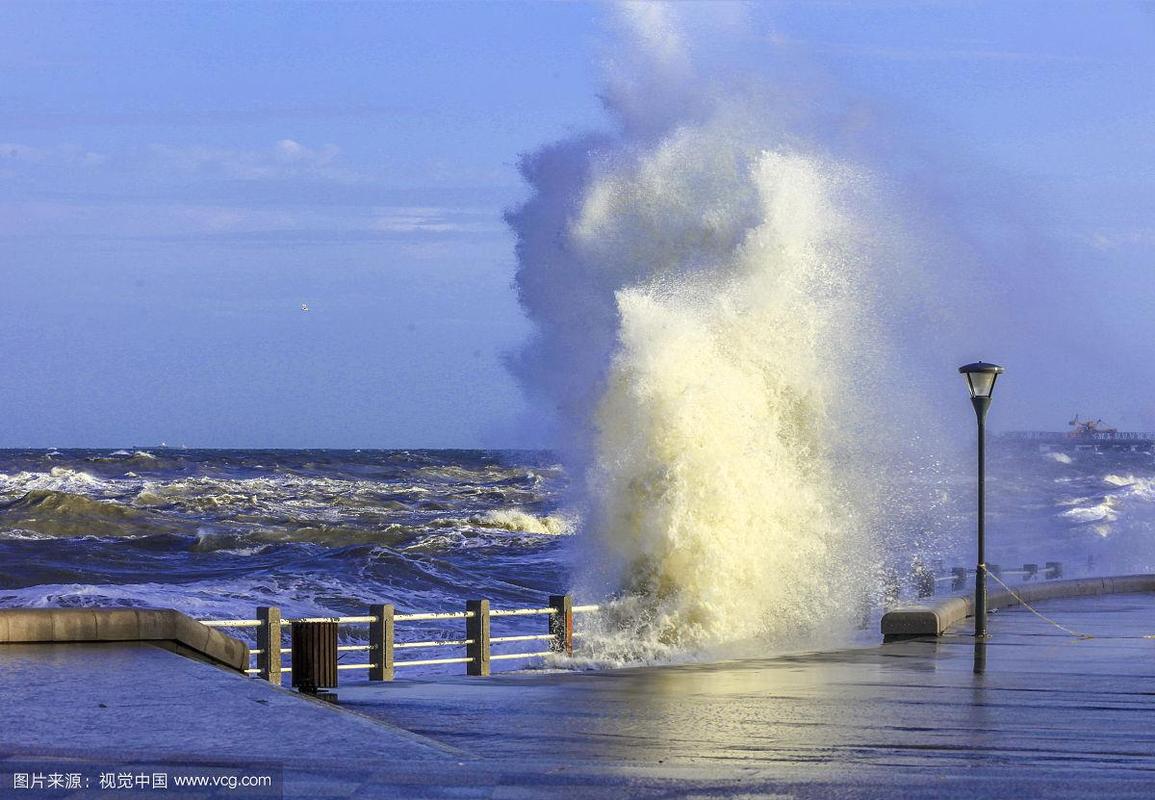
{"x": 216, "y": 533}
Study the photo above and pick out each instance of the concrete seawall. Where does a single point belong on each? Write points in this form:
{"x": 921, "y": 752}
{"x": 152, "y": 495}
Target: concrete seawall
{"x": 163, "y": 627}
{"x": 933, "y": 619}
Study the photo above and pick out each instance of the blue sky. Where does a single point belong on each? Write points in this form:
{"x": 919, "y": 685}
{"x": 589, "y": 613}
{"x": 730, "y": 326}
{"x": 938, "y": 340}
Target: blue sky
{"x": 177, "y": 179}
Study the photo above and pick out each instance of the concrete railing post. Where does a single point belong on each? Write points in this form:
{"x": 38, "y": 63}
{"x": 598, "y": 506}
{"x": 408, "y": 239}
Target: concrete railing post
{"x": 381, "y": 643}
{"x": 561, "y": 623}
{"x": 923, "y": 578}
{"x": 477, "y": 631}
{"x": 269, "y": 642}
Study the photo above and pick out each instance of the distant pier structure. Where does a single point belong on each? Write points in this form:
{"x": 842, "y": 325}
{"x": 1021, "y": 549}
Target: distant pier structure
{"x": 1084, "y": 435}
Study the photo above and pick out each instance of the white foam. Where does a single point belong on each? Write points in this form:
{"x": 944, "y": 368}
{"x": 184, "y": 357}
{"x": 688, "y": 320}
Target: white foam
{"x": 512, "y": 519}
{"x": 706, "y": 291}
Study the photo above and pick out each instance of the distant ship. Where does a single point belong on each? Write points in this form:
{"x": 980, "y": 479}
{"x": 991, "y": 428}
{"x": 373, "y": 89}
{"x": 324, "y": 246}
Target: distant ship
{"x": 1085, "y": 434}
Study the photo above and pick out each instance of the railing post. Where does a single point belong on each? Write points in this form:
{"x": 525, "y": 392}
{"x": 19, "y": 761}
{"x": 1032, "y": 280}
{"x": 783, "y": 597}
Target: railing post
{"x": 923, "y": 578}
{"x": 477, "y": 630}
{"x": 561, "y": 623}
{"x": 381, "y": 643}
{"x": 269, "y": 641}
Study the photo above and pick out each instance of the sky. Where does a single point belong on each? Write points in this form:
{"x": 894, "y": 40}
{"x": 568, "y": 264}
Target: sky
{"x": 180, "y": 181}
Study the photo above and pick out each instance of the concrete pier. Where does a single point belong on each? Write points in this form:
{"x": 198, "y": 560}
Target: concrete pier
{"x": 1046, "y": 715}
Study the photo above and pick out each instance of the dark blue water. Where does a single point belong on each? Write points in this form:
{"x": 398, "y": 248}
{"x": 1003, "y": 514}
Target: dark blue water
{"x": 323, "y": 533}
{"x": 318, "y": 533}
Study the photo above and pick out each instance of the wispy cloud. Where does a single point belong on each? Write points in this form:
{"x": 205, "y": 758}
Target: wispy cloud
{"x": 282, "y": 160}
{"x": 1114, "y": 239}
{"x": 128, "y": 116}
{"x": 287, "y": 191}
{"x": 962, "y": 50}
{"x": 210, "y": 222}
{"x": 13, "y": 154}
{"x": 285, "y": 159}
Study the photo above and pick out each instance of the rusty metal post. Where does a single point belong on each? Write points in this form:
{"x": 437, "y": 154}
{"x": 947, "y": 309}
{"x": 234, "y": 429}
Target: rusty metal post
{"x": 477, "y": 631}
{"x": 561, "y": 623}
{"x": 381, "y": 643}
{"x": 269, "y": 642}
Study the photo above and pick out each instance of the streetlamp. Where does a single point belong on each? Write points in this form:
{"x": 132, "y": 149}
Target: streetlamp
{"x": 980, "y": 378}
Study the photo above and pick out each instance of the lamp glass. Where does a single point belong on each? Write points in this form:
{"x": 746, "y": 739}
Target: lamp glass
{"x": 981, "y": 383}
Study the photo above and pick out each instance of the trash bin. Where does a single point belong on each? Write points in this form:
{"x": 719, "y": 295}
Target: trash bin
{"x": 314, "y": 656}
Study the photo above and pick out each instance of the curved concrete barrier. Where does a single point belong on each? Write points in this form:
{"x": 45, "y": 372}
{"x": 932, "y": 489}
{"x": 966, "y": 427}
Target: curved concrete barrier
{"x": 934, "y": 619}
{"x": 157, "y": 625}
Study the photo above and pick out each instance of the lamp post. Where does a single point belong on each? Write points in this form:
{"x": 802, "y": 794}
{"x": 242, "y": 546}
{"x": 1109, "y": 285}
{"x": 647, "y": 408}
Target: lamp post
{"x": 980, "y": 378}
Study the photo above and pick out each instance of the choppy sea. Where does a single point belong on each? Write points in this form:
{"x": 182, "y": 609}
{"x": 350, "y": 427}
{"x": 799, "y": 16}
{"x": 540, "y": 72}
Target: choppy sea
{"x": 216, "y": 533}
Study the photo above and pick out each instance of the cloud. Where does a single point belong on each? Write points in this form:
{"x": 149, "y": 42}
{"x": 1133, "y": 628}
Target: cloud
{"x": 126, "y": 220}
{"x": 434, "y": 220}
{"x": 285, "y": 159}
{"x": 13, "y": 154}
{"x": 1114, "y": 239}
{"x": 286, "y": 191}
{"x": 961, "y": 51}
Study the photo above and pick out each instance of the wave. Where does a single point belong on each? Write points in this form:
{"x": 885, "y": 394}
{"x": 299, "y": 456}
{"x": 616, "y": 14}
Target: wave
{"x": 1133, "y": 486}
{"x": 708, "y": 290}
{"x": 1104, "y": 511}
{"x": 512, "y": 519}
{"x": 60, "y": 479}
{"x": 57, "y": 513}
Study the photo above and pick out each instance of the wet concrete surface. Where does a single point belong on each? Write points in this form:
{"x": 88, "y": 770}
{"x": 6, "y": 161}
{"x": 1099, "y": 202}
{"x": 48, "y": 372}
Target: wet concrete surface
{"x": 1049, "y": 715}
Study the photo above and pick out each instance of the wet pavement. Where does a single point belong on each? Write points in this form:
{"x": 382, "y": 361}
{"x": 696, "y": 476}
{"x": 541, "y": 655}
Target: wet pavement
{"x": 1037, "y": 712}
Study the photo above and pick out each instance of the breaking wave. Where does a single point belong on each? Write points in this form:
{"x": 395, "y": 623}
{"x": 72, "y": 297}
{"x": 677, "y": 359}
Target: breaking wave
{"x": 707, "y": 290}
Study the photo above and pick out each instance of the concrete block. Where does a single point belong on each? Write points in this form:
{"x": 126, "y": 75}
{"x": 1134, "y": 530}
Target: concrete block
{"x": 61, "y": 625}
{"x": 74, "y": 625}
{"x": 191, "y": 633}
{"x": 227, "y": 650}
{"x": 29, "y": 624}
{"x": 154, "y": 624}
{"x": 926, "y": 620}
{"x": 117, "y": 625}
{"x": 1132, "y": 583}
{"x": 909, "y": 622}
{"x": 935, "y": 619}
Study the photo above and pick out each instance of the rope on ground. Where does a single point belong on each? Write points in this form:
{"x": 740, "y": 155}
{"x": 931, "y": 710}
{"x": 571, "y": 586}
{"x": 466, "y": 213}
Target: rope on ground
{"x": 1041, "y": 616}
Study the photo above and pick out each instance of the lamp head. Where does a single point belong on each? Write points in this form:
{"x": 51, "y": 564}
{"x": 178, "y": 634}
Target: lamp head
{"x": 980, "y": 377}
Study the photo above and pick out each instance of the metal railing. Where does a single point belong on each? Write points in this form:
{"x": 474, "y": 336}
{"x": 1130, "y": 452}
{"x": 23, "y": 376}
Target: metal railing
{"x": 926, "y": 581}
{"x": 1070, "y": 437}
{"x": 381, "y": 648}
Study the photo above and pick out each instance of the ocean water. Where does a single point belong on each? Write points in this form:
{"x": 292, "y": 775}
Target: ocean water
{"x": 217, "y": 533}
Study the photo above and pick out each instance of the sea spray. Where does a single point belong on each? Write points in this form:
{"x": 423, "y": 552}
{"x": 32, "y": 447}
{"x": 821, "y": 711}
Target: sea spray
{"x": 707, "y": 292}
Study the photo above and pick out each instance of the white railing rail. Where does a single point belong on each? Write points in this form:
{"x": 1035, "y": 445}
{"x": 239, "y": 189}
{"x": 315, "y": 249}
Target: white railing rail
{"x": 926, "y": 580}
{"x": 382, "y": 621}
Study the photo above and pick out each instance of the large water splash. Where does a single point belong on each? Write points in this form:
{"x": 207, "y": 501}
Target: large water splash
{"x": 706, "y": 289}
